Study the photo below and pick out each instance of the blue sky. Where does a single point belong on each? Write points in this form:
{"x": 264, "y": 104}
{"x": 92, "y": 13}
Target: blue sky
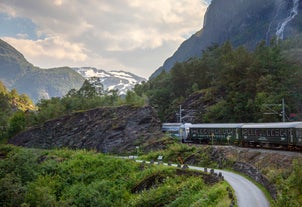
{"x": 130, "y": 35}
{"x": 16, "y": 27}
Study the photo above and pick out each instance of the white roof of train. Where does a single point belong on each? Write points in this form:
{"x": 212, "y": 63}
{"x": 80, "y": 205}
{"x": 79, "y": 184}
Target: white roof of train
{"x": 249, "y": 125}
{"x": 274, "y": 125}
{"x": 218, "y": 125}
{"x": 171, "y": 124}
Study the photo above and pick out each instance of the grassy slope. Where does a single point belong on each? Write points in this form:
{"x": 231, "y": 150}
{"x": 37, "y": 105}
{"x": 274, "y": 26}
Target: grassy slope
{"x": 84, "y": 178}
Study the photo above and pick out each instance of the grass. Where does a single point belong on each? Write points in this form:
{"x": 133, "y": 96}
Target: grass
{"x": 63, "y": 177}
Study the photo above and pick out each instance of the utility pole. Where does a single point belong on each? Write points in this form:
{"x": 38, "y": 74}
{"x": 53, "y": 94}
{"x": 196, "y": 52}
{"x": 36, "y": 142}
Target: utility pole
{"x": 180, "y": 117}
{"x": 283, "y": 110}
{"x": 272, "y": 111}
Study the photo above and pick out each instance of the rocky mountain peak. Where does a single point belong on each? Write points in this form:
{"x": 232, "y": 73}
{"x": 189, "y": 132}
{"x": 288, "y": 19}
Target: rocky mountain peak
{"x": 111, "y": 80}
{"x": 242, "y": 22}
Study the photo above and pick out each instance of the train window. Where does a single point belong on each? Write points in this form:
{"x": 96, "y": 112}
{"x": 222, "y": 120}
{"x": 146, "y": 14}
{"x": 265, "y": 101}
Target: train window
{"x": 230, "y": 131}
{"x": 282, "y": 132}
{"x": 277, "y": 132}
{"x": 244, "y": 132}
{"x": 272, "y": 132}
{"x": 251, "y": 132}
{"x": 268, "y": 132}
{"x": 299, "y": 132}
{"x": 257, "y": 132}
{"x": 262, "y": 132}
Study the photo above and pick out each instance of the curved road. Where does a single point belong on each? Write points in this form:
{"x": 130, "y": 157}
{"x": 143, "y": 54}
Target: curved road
{"x": 247, "y": 193}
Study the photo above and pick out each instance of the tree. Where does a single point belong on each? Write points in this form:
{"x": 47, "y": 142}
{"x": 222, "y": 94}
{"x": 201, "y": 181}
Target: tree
{"x": 133, "y": 99}
{"x": 87, "y": 90}
{"x": 17, "y": 123}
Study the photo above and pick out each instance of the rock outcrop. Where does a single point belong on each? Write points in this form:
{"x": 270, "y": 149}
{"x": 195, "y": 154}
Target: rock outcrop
{"x": 118, "y": 129}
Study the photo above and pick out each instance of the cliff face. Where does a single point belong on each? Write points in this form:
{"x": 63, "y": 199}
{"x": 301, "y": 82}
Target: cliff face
{"x": 242, "y": 22}
{"x": 103, "y": 129}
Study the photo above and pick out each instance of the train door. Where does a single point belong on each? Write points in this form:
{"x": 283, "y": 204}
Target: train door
{"x": 291, "y": 137}
{"x": 298, "y": 138}
{"x": 184, "y": 130}
{"x": 237, "y": 137}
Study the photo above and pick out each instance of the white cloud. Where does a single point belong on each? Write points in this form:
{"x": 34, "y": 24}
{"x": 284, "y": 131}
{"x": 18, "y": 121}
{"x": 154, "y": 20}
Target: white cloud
{"x": 53, "y": 48}
{"x": 105, "y": 33}
{"x": 58, "y": 2}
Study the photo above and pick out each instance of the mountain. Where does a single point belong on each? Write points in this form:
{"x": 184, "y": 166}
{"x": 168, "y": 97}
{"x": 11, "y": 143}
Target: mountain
{"x": 242, "y": 22}
{"x": 16, "y": 72}
{"x": 112, "y": 80}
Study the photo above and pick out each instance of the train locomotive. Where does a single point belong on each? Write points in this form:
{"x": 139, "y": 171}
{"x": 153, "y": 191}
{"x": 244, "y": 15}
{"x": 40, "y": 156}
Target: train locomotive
{"x": 283, "y": 135}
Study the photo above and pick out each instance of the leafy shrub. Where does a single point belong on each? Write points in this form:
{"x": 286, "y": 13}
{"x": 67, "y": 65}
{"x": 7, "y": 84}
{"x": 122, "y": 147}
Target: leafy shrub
{"x": 12, "y": 190}
{"x": 31, "y": 177}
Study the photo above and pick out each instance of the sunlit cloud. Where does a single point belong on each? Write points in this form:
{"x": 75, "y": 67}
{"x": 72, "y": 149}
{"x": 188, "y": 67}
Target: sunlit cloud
{"x": 110, "y": 31}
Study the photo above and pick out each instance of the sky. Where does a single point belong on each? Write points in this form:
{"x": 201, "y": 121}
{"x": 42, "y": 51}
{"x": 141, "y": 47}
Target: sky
{"x": 131, "y": 35}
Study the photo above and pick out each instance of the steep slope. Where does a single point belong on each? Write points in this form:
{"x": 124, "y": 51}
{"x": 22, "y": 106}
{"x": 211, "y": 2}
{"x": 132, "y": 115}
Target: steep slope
{"x": 48, "y": 83}
{"x": 242, "y": 22}
{"x": 17, "y": 72}
{"x": 104, "y": 129}
{"x": 13, "y": 65}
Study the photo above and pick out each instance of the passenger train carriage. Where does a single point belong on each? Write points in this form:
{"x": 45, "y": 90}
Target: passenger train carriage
{"x": 214, "y": 133}
{"x": 286, "y": 135}
{"x": 172, "y": 129}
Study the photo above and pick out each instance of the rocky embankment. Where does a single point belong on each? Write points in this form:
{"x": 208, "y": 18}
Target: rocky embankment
{"x": 118, "y": 129}
{"x": 258, "y": 164}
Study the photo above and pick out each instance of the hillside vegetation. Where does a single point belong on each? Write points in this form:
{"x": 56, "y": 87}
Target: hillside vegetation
{"x": 13, "y": 108}
{"x": 235, "y": 85}
{"x": 31, "y": 177}
{"x": 19, "y": 113}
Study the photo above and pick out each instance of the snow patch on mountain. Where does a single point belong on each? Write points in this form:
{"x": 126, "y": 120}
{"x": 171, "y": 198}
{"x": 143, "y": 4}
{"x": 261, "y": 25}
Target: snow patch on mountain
{"x": 112, "y": 80}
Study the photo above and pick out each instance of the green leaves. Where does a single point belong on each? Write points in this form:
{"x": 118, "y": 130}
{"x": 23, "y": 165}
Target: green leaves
{"x": 231, "y": 82}
{"x": 31, "y": 177}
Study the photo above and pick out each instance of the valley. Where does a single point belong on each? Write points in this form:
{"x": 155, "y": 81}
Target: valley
{"x": 64, "y": 129}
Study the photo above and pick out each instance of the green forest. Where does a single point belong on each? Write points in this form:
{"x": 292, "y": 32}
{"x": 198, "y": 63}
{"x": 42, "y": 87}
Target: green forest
{"x": 235, "y": 84}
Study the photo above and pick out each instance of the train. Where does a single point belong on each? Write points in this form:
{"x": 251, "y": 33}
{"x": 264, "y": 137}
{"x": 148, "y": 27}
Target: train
{"x": 275, "y": 135}
{"x": 172, "y": 129}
